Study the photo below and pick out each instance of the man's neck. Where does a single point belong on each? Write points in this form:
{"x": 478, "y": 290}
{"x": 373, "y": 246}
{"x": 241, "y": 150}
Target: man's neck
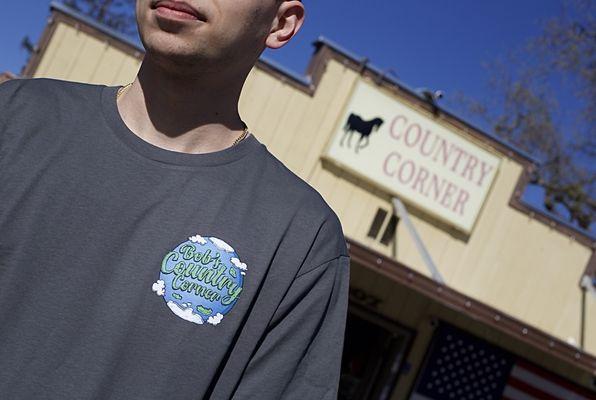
{"x": 189, "y": 115}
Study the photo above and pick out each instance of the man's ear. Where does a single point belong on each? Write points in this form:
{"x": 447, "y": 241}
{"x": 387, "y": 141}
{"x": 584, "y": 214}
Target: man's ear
{"x": 287, "y": 23}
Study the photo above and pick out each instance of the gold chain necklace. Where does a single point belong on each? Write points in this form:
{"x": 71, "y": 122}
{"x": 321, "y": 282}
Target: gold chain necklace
{"x": 245, "y": 133}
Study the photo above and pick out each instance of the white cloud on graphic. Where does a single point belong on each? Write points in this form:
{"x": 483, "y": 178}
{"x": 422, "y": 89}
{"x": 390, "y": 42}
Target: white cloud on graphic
{"x": 220, "y": 244}
{"x": 216, "y": 319}
{"x": 185, "y": 313}
{"x": 197, "y": 239}
{"x": 159, "y": 287}
{"x": 238, "y": 263}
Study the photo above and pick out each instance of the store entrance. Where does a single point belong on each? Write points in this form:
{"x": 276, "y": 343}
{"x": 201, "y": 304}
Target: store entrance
{"x": 372, "y": 356}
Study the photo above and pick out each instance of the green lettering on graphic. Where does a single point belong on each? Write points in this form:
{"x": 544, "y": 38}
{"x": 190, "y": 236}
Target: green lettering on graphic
{"x": 206, "y": 259}
{"x": 187, "y": 251}
{"x": 176, "y": 284}
{"x": 214, "y": 296}
{"x": 184, "y": 285}
{"x": 233, "y": 295}
{"x": 190, "y": 273}
{"x": 216, "y": 260}
{"x": 204, "y": 310}
{"x": 205, "y": 274}
{"x": 164, "y": 264}
{"x": 213, "y": 279}
{"x": 190, "y": 269}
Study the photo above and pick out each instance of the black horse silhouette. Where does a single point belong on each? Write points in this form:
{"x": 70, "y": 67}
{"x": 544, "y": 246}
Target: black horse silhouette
{"x": 364, "y": 128}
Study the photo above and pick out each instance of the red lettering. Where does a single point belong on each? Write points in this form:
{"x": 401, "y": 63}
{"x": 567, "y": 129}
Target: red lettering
{"x": 461, "y": 201}
{"x": 393, "y": 130}
{"x": 429, "y": 152}
{"x": 443, "y": 148}
{"x": 435, "y": 184}
{"x": 470, "y": 166}
{"x": 451, "y": 188}
{"x": 460, "y": 152}
{"x": 408, "y": 139}
{"x": 401, "y": 170}
{"x": 390, "y": 155}
{"x": 421, "y": 177}
{"x": 483, "y": 172}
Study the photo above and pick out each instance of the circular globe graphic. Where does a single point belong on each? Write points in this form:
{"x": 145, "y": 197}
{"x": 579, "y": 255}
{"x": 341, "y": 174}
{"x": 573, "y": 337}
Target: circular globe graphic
{"x": 201, "y": 279}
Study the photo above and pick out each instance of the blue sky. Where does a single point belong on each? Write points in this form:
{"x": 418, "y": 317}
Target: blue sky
{"x": 428, "y": 43}
{"x": 432, "y": 43}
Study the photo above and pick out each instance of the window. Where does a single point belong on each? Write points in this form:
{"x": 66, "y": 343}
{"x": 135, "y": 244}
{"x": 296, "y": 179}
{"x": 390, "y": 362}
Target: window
{"x": 377, "y": 224}
{"x": 389, "y": 230}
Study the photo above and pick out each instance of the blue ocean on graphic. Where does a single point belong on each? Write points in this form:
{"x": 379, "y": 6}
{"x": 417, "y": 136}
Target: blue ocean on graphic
{"x": 201, "y": 279}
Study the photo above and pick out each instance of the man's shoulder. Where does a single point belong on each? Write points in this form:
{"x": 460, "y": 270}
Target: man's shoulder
{"x": 312, "y": 209}
{"x": 44, "y": 90}
{"x": 46, "y": 84}
{"x": 291, "y": 186}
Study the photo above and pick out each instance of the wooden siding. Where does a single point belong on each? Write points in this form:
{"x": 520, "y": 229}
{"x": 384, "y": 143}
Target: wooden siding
{"x": 74, "y": 55}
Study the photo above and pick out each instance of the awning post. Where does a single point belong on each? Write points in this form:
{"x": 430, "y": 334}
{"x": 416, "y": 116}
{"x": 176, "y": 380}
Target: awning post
{"x": 402, "y": 213}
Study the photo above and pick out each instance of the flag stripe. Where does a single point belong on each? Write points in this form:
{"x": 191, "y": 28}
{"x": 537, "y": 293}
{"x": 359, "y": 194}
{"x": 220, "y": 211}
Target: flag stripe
{"x": 515, "y": 394}
{"x": 548, "y": 382}
{"x": 526, "y": 387}
{"x": 418, "y": 396}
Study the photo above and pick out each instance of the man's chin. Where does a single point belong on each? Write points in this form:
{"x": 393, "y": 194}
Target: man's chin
{"x": 164, "y": 45}
{"x": 177, "y": 62}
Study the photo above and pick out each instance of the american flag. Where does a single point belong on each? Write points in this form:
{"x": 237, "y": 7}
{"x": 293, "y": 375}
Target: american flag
{"x": 460, "y": 366}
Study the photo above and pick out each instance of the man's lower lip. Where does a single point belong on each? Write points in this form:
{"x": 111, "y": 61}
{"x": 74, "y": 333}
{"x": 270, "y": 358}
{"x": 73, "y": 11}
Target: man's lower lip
{"x": 174, "y": 14}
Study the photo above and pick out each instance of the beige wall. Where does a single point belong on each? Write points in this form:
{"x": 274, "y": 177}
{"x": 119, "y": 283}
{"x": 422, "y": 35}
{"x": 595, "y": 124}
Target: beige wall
{"x": 512, "y": 262}
{"x": 74, "y": 55}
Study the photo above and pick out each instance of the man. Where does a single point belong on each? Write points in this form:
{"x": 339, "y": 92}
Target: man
{"x": 152, "y": 248}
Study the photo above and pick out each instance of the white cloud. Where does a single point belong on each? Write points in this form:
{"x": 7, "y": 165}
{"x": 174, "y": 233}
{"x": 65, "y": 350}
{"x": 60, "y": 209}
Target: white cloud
{"x": 159, "y": 287}
{"x": 197, "y": 239}
{"x": 221, "y": 244}
{"x": 216, "y": 319}
{"x": 238, "y": 263}
{"x": 185, "y": 313}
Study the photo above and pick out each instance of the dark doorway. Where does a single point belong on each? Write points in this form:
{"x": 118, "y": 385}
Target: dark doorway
{"x": 371, "y": 358}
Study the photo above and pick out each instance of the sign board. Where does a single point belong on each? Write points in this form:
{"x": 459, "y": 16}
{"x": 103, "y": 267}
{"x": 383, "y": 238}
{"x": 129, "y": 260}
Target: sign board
{"x": 413, "y": 157}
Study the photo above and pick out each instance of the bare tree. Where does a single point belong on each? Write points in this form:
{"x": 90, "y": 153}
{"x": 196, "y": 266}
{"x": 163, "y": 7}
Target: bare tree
{"x": 559, "y": 66}
{"x": 117, "y": 14}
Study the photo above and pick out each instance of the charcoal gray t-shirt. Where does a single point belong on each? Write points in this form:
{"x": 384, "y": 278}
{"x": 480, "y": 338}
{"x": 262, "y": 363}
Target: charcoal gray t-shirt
{"x": 128, "y": 271}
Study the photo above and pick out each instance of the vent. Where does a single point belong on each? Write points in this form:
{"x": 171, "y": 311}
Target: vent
{"x": 389, "y": 230}
{"x": 378, "y": 222}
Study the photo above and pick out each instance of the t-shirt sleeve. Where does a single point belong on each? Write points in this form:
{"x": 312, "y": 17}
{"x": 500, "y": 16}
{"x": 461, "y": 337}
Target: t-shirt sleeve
{"x": 300, "y": 356}
{"x": 8, "y": 91}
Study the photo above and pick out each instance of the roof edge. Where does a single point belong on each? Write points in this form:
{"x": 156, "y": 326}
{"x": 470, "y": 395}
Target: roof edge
{"x": 322, "y": 40}
{"x": 59, "y": 6}
{"x": 474, "y": 308}
{"x": 559, "y": 220}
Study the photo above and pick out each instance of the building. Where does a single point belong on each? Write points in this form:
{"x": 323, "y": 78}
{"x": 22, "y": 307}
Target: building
{"x": 458, "y": 286}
